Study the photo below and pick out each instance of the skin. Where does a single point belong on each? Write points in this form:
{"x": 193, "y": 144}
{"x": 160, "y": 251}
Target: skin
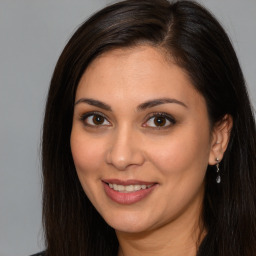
{"x": 127, "y": 144}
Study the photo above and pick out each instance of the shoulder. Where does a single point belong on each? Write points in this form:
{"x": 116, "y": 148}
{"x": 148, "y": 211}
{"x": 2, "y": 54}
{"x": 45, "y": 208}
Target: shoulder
{"x": 39, "y": 254}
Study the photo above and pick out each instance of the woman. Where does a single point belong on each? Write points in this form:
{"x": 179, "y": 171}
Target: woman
{"x": 149, "y": 138}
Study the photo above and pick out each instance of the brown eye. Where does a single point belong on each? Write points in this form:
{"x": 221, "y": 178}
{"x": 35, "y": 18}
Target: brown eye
{"x": 160, "y": 121}
{"x": 95, "y": 120}
{"x": 98, "y": 120}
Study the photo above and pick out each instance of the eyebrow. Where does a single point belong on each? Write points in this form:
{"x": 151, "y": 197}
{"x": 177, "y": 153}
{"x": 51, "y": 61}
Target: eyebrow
{"x": 95, "y": 103}
{"x": 141, "y": 107}
{"x": 156, "y": 102}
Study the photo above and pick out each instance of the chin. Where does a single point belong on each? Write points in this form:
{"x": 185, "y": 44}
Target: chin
{"x": 129, "y": 223}
{"x": 129, "y": 228}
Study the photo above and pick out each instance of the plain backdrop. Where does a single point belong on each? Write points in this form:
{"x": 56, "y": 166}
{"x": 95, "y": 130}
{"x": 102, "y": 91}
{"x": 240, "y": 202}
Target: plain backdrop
{"x": 32, "y": 36}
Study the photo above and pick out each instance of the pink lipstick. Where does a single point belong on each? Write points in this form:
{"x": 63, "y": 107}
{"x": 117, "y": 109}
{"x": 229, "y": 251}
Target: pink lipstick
{"x": 129, "y": 191}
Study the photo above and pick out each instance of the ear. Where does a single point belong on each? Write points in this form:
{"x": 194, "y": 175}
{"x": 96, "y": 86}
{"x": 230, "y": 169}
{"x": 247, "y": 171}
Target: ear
{"x": 220, "y": 138}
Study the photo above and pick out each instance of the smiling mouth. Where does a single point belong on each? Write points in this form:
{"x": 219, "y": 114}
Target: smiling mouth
{"x": 128, "y": 188}
{"x": 129, "y": 191}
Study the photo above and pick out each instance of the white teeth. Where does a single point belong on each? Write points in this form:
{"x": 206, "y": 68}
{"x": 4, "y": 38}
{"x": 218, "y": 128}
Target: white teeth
{"x": 129, "y": 188}
{"x": 137, "y": 187}
{"x": 120, "y": 187}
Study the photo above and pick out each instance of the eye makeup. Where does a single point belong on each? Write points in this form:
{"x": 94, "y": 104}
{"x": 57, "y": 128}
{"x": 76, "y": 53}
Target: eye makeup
{"x": 155, "y": 120}
{"x": 159, "y": 120}
{"x": 94, "y": 119}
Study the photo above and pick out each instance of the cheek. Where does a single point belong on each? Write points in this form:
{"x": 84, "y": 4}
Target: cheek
{"x": 87, "y": 154}
{"x": 184, "y": 152}
{"x": 182, "y": 162}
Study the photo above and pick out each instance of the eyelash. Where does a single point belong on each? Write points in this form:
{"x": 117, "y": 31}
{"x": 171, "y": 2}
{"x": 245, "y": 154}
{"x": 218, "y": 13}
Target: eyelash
{"x": 166, "y": 116}
{"x": 93, "y": 114}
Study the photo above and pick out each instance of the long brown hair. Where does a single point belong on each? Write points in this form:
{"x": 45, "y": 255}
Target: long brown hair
{"x": 201, "y": 47}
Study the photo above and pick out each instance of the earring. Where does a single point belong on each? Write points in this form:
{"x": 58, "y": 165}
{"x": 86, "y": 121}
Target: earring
{"x": 218, "y": 179}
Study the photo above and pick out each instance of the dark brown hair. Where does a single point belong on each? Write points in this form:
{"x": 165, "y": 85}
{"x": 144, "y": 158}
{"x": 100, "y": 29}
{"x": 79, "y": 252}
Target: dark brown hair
{"x": 198, "y": 43}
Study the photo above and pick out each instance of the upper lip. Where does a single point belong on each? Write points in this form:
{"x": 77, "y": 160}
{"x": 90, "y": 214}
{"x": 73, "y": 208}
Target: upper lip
{"x": 127, "y": 182}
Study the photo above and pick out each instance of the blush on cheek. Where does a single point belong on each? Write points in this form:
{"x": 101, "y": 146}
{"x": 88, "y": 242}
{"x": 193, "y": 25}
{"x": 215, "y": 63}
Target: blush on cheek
{"x": 181, "y": 154}
{"x": 86, "y": 158}
{"x": 168, "y": 155}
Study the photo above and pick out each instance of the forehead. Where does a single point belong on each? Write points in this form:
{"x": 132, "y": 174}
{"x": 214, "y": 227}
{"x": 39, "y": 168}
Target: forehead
{"x": 136, "y": 73}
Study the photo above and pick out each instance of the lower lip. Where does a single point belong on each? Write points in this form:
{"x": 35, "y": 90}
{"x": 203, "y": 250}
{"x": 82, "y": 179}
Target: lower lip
{"x": 127, "y": 198}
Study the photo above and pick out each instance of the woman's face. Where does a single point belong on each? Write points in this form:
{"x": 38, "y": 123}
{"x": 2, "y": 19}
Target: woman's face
{"x": 140, "y": 140}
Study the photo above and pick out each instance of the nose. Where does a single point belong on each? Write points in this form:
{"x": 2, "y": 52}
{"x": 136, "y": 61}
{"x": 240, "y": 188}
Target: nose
{"x": 125, "y": 150}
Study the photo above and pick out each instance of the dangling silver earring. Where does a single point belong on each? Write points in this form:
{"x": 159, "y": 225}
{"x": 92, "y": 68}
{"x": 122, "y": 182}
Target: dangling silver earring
{"x": 218, "y": 179}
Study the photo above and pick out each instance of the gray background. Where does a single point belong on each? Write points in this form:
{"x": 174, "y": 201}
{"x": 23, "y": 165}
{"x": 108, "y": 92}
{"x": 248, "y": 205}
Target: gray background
{"x": 32, "y": 35}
